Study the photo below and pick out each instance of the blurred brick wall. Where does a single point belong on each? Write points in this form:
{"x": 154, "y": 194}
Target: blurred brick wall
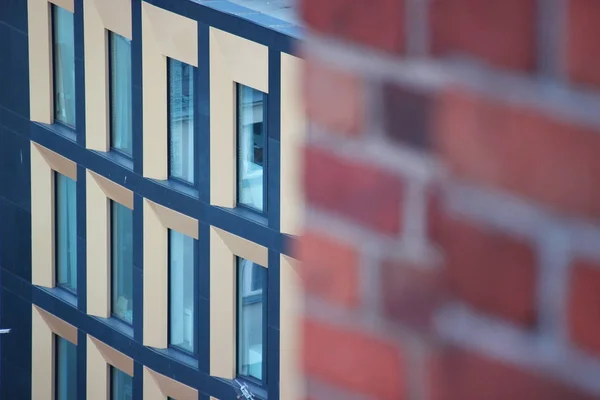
{"x": 452, "y": 179}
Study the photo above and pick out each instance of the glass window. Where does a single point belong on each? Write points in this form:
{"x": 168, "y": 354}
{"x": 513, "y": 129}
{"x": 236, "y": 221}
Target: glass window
{"x": 122, "y": 262}
{"x": 252, "y": 301}
{"x": 181, "y": 120}
{"x": 121, "y": 385}
{"x": 64, "y": 65}
{"x": 120, "y": 94}
{"x": 66, "y": 369}
{"x": 65, "y": 195}
{"x": 181, "y": 290}
{"x": 251, "y": 142}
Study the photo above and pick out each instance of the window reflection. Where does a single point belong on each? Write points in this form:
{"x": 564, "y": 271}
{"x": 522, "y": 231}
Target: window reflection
{"x": 181, "y": 290}
{"x": 65, "y": 197}
{"x": 66, "y": 369}
{"x": 122, "y": 262}
{"x": 64, "y": 65}
{"x": 121, "y": 385}
{"x": 120, "y": 94}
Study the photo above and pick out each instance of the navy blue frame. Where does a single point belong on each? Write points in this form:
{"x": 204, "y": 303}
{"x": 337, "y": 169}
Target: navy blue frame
{"x": 17, "y": 294}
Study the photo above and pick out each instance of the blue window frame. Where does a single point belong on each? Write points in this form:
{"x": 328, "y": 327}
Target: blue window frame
{"x": 66, "y": 369}
{"x": 122, "y": 262}
{"x": 251, "y": 148}
{"x": 181, "y": 121}
{"x": 120, "y": 94}
{"x": 181, "y": 291}
{"x": 121, "y": 385}
{"x": 65, "y": 238}
{"x": 251, "y": 321}
{"x": 63, "y": 48}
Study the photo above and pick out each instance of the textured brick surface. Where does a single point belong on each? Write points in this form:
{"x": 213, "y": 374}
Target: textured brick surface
{"x": 584, "y": 305}
{"x": 583, "y": 50}
{"x": 479, "y": 28}
{"x": 354, "y": 360}
{"x": 357, "y": 191}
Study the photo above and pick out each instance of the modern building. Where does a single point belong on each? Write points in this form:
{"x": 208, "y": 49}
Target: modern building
{"x": 149, "y": 193}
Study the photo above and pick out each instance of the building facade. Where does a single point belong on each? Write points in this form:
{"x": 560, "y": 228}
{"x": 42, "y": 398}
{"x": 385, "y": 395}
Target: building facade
{"x": 149, "y": 193}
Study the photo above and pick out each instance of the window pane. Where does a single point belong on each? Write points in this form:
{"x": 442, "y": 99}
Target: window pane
{"x": 121, "y": 385}
{"x": 181, "y": 291}
{"x": 122, "y": 262}
{"x": 181, "y": 120}
{"x": 66, "y": 370}
{"x": 64, "y": 65}
{"x": 251, "y": 318}
{"x": 251, "y": 139}
{"x": 65, "y": 195}
{"x": 120, "y": 93}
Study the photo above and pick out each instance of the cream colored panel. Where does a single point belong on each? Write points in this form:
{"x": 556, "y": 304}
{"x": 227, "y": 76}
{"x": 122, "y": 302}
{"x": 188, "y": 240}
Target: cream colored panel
{"x": 42, "y": 361}
{"x": 174, "y": 220}
{"x": 98, "y": 249}
{"x": 165, "y": 34}
{"x": 155, "y": 279}
{"x": 244, "y": 248}
{"x": 97, "y": 379}
{"x": 232, "y": 59}
{"x": 222, "y": 308}
{"x": 113, "y": 190}
{"x": 42, "y": 220}
{"x": 57, "y": 325}
{"x": 66, "y": 4}
{"x": 57, "y": 162}
{"x": 112, "y": 356}
{"x": 291, "y": 384}
{"x": 100, "y": 16}
{"x": 293, "y": 127}
{"x": 41, "y": 101}
{"x": 159, "y": 387}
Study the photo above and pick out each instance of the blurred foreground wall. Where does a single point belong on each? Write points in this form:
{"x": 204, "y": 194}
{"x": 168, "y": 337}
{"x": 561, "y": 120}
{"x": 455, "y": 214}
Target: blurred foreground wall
{"x": 452, "y": 176}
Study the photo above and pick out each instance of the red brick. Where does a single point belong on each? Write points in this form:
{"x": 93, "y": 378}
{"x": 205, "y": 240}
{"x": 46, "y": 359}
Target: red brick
{"x": 583, "y": 48}
{"x": 360, "y": 192}
{"x": 584, "y": 305}
{"x": 353, "y": 360}
{"x": 376, "y": 23}
{"x": 459, "y": 375}
{"x": 329, "y": 268}
{"x": 502, "y": 32}
{"x": 521, "y": 150}
{"x": 334, "y": 98}
{"x": 493, "y": 271}
{"x": 412, "y": 294}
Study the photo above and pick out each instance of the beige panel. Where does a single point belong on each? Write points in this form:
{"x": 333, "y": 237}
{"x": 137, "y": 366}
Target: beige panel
{"x": 42, "y": 220}
{"x": 57, "y": 325}
{"x": 291, "y": 384}
{"x": 68, "y": 5}
{"x": 293, "y": 127}
{"x": 97, "y": 373}
{"x": 232, "y": 59}
{"x": 155, "y": 280}
{"x": 113, "y": 190}
{"x": 165, "y": 34}
{"x": 41, "y": 103}
{"x": 98, "y": 249}
{"x": 112, "y": 356}
{"x": 222, "y": 308}
{"x": 158, "y": 387}
{"x": 174, "y": 220}
{"x": 100, "y": 16}
{"x": 42, "y": 358}
{"x": 57, "y": 162}
{"x": 244, "y": 248}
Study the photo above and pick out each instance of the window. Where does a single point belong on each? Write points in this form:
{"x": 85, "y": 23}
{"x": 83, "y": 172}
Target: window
{"x": 181, "y": 121}
{"x": 181, "y": 290}
{"x": 65, "y": 195}
{"x": 66, "y": 369}
{"x": 121, "y": 385}
{"x": 122, "y": 262}
{"x": 120, "y": 94}
{"x": 251, "y": 143}
{"x": 252, "y": 303}
{"x": 64, "y": 65}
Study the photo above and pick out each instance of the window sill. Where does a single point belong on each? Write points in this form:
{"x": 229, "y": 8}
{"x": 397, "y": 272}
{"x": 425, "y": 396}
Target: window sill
{"x": 250, "y": 215}
{"x": 258, "y": 391}
{"x": 61, "y": 130}
{"x": 178, "y": 187}
{"x": 179, "y": 356}
{"x": 62, "y": 294}
{"x": 117, "y": 158}
{"x": 118, "y": 325}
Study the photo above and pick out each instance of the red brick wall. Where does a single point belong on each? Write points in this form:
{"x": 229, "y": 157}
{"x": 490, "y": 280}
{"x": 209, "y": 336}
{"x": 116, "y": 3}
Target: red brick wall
{"x": 452, "y": 182}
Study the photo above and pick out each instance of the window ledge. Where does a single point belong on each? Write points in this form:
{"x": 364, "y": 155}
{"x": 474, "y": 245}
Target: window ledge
{"x": 61, "y": 130}
{"x": 178, "y": 356}
{"x": 248, "y": 214}
{"x": 178, "y": 187}
{"x": 259, "y": 392}
{"x": 117, "y": 325}
{"x": 117, "y": 158}
{"x": 62, "y": 294}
